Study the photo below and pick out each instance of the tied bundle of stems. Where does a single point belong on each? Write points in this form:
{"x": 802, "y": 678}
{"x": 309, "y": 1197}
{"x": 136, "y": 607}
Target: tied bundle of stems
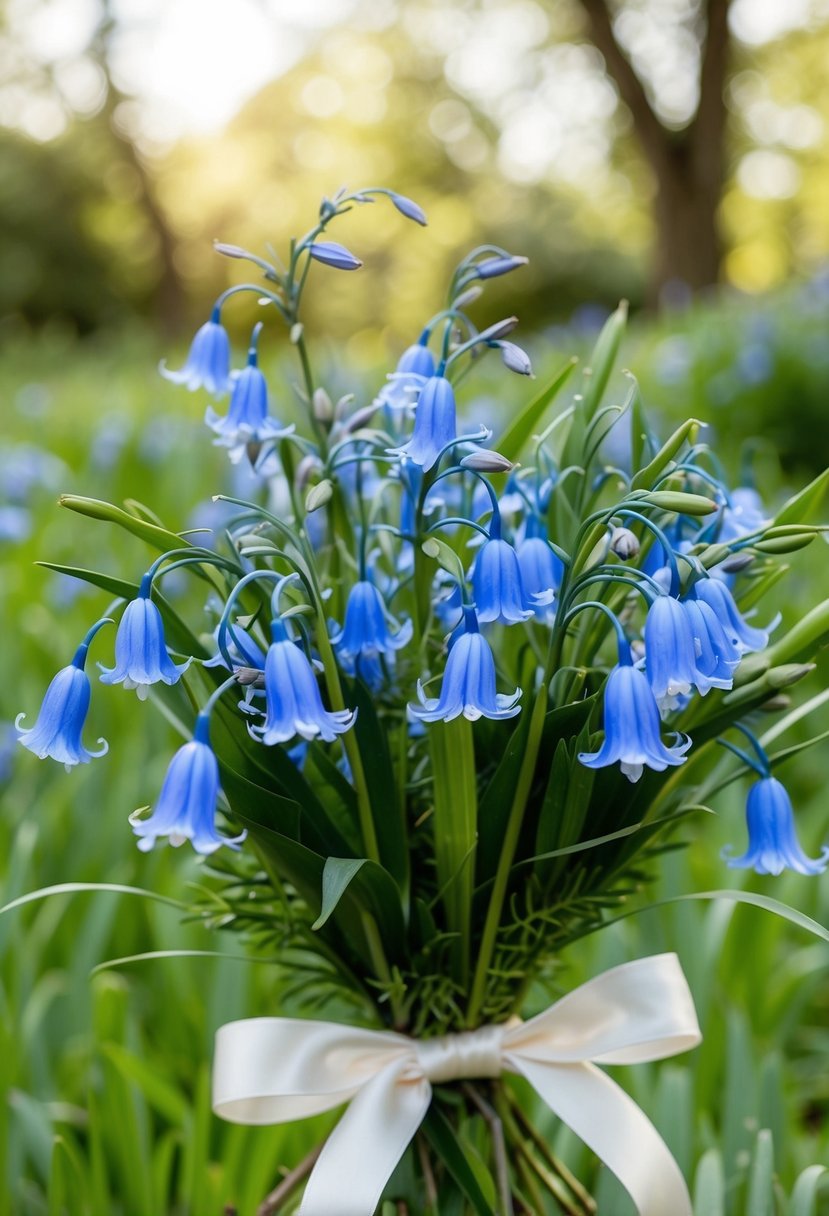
{"x": 455, "y": 706}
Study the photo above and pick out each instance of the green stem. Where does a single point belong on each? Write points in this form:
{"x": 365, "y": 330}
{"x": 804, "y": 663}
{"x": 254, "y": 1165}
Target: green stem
{"x": 502, "y": 874}
{"x": 381, "y": 966}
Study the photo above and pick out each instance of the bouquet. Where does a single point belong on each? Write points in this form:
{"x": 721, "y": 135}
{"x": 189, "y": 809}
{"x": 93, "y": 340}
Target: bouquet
{"x": 452, "y": 697}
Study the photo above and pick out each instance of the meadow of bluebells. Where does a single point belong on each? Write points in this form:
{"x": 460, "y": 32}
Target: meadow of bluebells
{"x": 480, "y": 662}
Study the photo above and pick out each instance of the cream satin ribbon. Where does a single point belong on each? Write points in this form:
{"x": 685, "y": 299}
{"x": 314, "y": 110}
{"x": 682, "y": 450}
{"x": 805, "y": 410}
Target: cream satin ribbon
{"x": 276, "y": 1070}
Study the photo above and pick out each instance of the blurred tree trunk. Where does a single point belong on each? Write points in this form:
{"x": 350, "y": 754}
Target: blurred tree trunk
{"x": 171, "y": 297}
{"x": 688, "y": 165}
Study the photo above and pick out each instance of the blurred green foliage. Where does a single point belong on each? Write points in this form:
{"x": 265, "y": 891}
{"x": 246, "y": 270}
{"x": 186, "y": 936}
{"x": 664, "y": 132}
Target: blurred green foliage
{"x": 107, "y": 1077}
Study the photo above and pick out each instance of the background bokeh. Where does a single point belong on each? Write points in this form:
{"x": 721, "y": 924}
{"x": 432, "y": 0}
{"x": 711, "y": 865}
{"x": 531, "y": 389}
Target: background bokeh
{"x": 672, "y": 152}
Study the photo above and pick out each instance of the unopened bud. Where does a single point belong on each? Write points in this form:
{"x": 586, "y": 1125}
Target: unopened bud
{"x": 516, "y": 359}
{"x": 624, "y": 543}
{"x": 498, "y": 329}
{"x": 484, "y": 460}
{"x": 736, "y": 563}
{"x": 250, "y": 677}
{"x": 469, "y": 296}
{"x": 322, "y": 406}
{"x": 491, "y": 268}
{"x": 307, "y": 467}
{"x": 296, "y": 332}
{"x": 319, "y": 495}
{"x": 360, "y": 418}
{"x": 788, "y": 673}
{"x": 776, "y": 703}
{"x": 341, "y": 408}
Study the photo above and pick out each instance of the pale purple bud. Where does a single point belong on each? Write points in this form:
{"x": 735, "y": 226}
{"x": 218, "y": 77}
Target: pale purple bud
{"x": 491, "y": 268}
{"x": 498, "y": 329}
{"x": 484, "y": 460}
{"x": 305, "y": 469}
{"x": 469, "y": 296}
{"x": 323, "y": 406}
{"x": 516, "y": 359}
{"x": 624, "y": 543}
{"x": 333, "y": 254}
{"x": 409, "y": 208}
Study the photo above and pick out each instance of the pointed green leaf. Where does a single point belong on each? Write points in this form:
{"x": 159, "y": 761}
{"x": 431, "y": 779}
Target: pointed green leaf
{"x": 761, "y": 1178}
{"x": 336, "y": 876}
{"x": 805, "y": 1193}
{"x": 441, "y": 1136}
{"x": 522, "y": 427}
{"x": 647, "y": 477}
{"x": 803, "y": 504}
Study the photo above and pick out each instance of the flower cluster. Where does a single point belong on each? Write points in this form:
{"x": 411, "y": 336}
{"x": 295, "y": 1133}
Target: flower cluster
{"x": 413, "y": 563}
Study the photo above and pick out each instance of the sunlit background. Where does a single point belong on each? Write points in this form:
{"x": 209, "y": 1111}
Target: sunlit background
{"x": 134, "y": 132}
{"x": 671, "y": 152}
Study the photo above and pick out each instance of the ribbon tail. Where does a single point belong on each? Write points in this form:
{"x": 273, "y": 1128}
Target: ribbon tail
{"x": 361, "y": 1153}
{"x": 613, "y": 1126}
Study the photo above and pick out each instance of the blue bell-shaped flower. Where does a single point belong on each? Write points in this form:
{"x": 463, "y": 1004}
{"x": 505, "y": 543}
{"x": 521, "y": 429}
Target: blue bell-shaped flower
{"x": 772, "y": 840}
{"x": 57, "y": 731}
{"x": 367, "y": 634}
{"x": 208, "y": 361}
{"x": 434, "y": 426}
{"x": 632, "y": 725}
{"x": 292, "y": 697}
{"x": 468, "y": 682}
{"x": 186, "y": 807}
{"x": 141, "y": 657}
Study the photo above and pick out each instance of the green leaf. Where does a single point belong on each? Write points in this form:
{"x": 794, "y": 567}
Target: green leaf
{"x": 179, "y": 634}
{"x": 71, "y": 888}
{"x": 152, "y": 956}
{"x": 741, "y": 897}
{"x": 647, "y": 477}
{"x": 160, "y": 1094}
{"x": 709, "y": 1185}
{"x": 804, "y": 1195}
{"x": 387, "y": 810}
{"x": 455, "y": 825}
{"x": 159, "y": 538}
{"x": 798, "y": 508}
{"x": 441, "y": 1136}
{"x": 336, "y": 876}
{"x": 761, "y": 1179}
{"x": 528, "y": 420}
{"x": 600, "y": 364}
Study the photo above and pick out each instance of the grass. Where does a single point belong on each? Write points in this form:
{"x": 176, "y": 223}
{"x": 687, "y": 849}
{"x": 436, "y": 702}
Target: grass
{"x": 106, "y": 1071}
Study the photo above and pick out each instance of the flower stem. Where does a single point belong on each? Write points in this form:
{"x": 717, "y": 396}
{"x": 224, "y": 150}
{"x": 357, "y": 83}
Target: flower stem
{"x": 502, "y": 874}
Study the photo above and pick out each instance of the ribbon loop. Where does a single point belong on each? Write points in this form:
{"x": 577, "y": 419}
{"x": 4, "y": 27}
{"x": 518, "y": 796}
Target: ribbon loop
{"x": 468, "y": 1056}
{"x": 276, "y": 1070}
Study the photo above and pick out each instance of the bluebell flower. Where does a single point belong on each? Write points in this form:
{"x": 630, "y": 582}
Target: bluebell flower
{"x": 772, "y": 840}
{"x": 186, "y": 807}
{"x": 367, "y": 633}
{"x": 141, "y": 657}
{"x": 632, "y": 726}
{"x": 414, "y": 367}
{"x": 743, "y": 513}
{"x": 292, "y": 698}
{"x": 496, "y": 582}
{"x": 208, "y": 362}
{"x": 247, "y": 420}
{"x": 434, "y": 424}
{"x": 57, "y": 731}
{"x": 541, "y": 574}
{"x": 670, "y": 654}
{"x": 716, "y": 656}
{"x": 742, "y": 636}
{"x": 468, "y": 682}
{"x": 334, "y": 254}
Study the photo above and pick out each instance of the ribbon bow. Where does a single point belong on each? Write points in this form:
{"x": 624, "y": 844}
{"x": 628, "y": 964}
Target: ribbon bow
{"x": 276, "y": 1070}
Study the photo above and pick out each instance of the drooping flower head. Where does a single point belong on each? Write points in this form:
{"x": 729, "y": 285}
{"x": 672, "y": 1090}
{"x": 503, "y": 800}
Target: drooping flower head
{"x": 292, "y": 697}
{"x": 496, "y": 580}
{"x": 468, "y": 682}
{"x": 208, "y": 362}
{"x": 368, "y": 633}
{"x": 541, "y": 573}
{"x": 716, "y": 656}
{"x": 57, "y": 731}
{"x": 414, "y": 367}
{"x": 717, "y": 595}
{"x": 772, "y": 840}
{"x": 141, "y": 657}
{"x": 670, "y": 654}
{"x": 186, "y": 807}
{"x": 632, "y": 725}
{"x": 247, "y": 420}
{"x": 434, "y": 425}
